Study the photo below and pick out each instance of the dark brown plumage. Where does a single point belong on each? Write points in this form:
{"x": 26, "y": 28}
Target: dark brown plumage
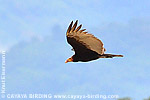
{"x": 86, "y": 46}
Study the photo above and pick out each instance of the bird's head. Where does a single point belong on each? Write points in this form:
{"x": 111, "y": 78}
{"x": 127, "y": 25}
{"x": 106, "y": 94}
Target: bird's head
{"x": 69, "y": 60}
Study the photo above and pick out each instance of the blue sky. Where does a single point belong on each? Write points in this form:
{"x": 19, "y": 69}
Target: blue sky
{"x": 33, "y": 34}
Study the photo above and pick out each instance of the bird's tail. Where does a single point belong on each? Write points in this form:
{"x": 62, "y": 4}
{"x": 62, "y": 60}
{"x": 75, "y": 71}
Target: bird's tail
{"x": 109, "y": 56}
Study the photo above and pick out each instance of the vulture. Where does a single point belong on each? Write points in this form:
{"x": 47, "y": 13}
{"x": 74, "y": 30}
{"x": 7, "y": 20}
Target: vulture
{"x": 86, "y": 46}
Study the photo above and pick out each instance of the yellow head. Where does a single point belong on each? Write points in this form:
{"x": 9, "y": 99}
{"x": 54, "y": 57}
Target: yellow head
{"x": 69, "y": 60}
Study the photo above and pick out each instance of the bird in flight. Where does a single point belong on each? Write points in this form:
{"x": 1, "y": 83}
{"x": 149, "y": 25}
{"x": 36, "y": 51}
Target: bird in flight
{"x": 86, "y": 46}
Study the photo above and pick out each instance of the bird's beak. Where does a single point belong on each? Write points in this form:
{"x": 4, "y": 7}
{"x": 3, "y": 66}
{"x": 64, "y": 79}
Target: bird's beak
{"x": 68, "y": 60}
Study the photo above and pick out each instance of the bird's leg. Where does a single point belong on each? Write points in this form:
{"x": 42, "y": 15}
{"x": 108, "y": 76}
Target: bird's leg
{"x": 72, "y": 49}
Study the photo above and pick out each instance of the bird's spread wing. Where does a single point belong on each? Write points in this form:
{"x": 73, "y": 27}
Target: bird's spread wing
{"x": 82, "y": 41}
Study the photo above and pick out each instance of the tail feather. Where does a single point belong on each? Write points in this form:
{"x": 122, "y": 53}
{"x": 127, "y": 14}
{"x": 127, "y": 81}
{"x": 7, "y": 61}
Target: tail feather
{"x": 110, "y": 56}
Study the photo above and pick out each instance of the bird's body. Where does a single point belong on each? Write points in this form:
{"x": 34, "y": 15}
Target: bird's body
{"x": 86, "y": 46}
{"x": 91, "y": 55}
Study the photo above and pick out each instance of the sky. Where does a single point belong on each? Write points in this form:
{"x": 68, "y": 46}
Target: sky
{"x": 32, "y": 32}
